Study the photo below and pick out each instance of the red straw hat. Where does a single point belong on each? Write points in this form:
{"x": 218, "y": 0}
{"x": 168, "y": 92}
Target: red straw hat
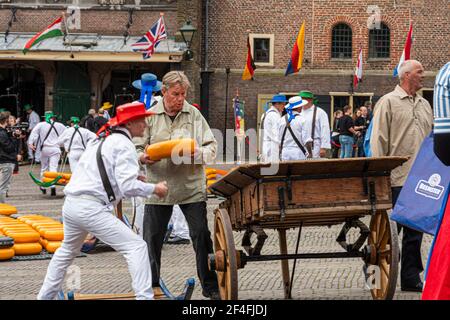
{"x": 128, "y": 112}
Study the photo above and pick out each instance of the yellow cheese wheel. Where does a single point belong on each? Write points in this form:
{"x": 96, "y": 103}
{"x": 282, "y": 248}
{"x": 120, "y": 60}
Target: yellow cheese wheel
{"x": 31, "y": 216}
{"x": 23, "y": 236}
{"x": 51, "y": 246}
{"x": 10, "y": 222}
{"x": 6, "y": 254}
{"x": 31, "y": 221}
{"x": 48, "y": 226}
{"x": 221, "y": 172}
{"x": 52, "y": 175}
{"x": 209, "y": 171}
{"x": 60, "y": 181}
{"x": 54, "y": 235}
{"x": 7, "y": 209}
{"x": 17, "y": 229}
{"x": 43, "y": 242}
{"x": 210, "y": 182}
{"x": 161, "y": 150}
{"x": 211, "y": 176}
{"x": 45, "y": 223}
{"x": 42, "y": 231}
{"x": 22, "y": 249}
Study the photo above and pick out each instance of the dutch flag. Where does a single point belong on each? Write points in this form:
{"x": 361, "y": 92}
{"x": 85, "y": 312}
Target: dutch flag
{"x": 406, "y": 55}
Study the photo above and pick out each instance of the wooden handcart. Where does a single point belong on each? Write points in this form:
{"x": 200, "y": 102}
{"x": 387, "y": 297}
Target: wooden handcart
{"x": 301, "y": 194}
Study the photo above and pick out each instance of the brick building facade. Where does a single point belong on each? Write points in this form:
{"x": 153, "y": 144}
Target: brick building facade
{"x": 231, "y": 21}
{"x": 220, "y": 43}
{"x": 94, "y": 67}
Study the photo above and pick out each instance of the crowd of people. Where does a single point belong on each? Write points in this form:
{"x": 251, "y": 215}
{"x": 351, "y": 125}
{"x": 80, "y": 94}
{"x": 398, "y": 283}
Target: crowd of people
{"x": 293, "y": 129}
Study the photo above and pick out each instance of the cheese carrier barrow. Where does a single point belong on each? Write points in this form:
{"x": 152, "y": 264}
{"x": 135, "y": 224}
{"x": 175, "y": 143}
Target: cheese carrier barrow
{"x": 302, "y": 194}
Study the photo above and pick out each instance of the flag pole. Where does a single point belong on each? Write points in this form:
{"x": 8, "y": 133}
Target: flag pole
{"x": 161, "y": 14}
{"x": 67, "y": 34}
{"x": 227, "y": 71}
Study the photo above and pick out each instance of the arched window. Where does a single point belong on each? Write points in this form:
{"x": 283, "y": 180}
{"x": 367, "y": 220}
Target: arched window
{"x": 380, "y": 42}
{"x": 341, "y": 41}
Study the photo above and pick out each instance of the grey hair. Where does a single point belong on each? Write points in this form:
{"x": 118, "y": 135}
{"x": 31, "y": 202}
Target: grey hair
{"x": 175, "y": 77}
{"x": 406, "y": 66}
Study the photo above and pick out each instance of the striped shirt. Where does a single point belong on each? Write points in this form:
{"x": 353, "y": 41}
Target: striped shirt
{"x": 442, "y": 101}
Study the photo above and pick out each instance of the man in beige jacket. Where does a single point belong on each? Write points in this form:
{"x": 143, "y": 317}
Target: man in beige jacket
{"x": 401, "y": 121}
{"x": 175, "y": 118}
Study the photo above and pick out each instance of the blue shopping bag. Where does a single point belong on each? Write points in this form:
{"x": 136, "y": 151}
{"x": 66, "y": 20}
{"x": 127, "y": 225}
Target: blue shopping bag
{"x": 425, "y": 192}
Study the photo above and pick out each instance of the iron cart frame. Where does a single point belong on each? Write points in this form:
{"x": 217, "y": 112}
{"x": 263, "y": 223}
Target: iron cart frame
{"x": 306, "y": 193}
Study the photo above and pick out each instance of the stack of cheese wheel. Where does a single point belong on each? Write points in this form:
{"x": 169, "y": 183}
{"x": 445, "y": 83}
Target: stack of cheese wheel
{"x": 50, "y": 176}
{"x": 164, "y": 149}
{"x": 7, "y": 209}
{"x": 26, "y": 239}
{"x": 50, "y": 231}
{"x": 6, "y": 243}
{"x": 212, "y": 175}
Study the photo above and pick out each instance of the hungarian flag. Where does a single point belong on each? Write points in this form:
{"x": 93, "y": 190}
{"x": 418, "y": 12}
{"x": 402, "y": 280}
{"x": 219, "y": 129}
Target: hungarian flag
{"x": 406, "y": 54}
{"x": 53, "y": 30}
{"x": 250, "y": 67}
{"x": 359, "y": 69}
{"x": 295, "y": 64}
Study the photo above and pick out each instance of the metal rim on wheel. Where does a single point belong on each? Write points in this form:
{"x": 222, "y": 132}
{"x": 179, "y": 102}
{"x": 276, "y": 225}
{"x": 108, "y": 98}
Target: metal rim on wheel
{"x": 383, "y": 240}
{"x": 224, "y": 241}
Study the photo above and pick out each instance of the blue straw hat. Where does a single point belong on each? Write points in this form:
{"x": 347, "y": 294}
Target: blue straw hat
{"x": 148, "y": 79}
{"x": 279, "y": 98}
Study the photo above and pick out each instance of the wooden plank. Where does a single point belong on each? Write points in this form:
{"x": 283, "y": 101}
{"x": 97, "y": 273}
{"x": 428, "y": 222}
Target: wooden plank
{"x": 158, "y": 294}
{"x": 284, "y": 263}
{"x": 307, "y": 167}
{"x": 311, "y": 192}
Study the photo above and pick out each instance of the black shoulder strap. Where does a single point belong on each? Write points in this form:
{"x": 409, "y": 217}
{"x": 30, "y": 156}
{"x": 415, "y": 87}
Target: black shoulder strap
{"x": 283, "y": 136}
{"x": 73, "y": 136}
{"x": 313, "y": 131}
{"x": 104, "y": 176}
{"x": 101, "y": 167}
{"x": 52, "y": 127}
{"x": 288, "y": 127}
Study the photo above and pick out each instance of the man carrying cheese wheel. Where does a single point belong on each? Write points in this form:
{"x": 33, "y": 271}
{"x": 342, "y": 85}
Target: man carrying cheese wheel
{"x": 174, "y": 119}
{"x": 106, "y": 173}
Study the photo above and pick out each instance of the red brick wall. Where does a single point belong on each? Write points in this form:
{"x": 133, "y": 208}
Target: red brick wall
{"x": 104, "y": 22}
{"x": 229, "y": 21}
{"x": 283, "y": 19}
{"x": 249, "y": 90}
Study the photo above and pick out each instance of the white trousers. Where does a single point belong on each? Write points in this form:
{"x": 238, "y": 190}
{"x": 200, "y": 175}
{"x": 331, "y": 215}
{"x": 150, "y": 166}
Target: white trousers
{"x": 83, "y": 216}
{"x": 139, "y": 219}
{"x": 179, "y": 223}
{"x": 74, "y": 157}
{"x": 49, "y": 160}
{"x": 292, "y": 154}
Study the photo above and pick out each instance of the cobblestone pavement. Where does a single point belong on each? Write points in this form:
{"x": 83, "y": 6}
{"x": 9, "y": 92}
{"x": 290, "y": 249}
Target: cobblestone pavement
{"x": 106, "y": 271}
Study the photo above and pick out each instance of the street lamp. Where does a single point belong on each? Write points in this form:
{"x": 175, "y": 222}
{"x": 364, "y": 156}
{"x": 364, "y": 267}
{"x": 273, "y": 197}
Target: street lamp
{"x": 187, "y": 32}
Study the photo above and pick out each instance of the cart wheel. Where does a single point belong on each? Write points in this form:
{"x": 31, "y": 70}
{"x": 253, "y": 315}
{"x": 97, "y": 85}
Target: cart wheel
{"x": 384, "y": 255}
{"x": 225, "y": 253}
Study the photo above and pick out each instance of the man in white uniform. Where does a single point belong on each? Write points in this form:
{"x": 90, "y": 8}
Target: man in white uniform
{"x": 107, "y": 172}
{"x": 320, "y": 131}
{"x": 32, "y": 119}
{"x": 44, "y": 137}
{"x": 74, "y": 140}
{"x": 292, "y": 132}
{"x": 269, "y": 129}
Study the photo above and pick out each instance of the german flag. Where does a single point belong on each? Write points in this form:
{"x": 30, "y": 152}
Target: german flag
{"x": 250, "y": 67}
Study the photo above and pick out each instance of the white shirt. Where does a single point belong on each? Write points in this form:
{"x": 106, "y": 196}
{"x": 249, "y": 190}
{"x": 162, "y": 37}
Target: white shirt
{"x": 291, "y": 150}
{"x": 77, "y": 145}
{"x": 33, "y": 120}
{"x": 121, "y": 164}
{"x": 322, "y": 129}
{"x": 40, "y": 132}
{"x": 271, "y": 143}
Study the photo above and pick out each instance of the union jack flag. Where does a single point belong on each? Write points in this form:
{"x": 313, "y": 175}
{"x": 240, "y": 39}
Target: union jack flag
{"x": 148, "y": 43}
